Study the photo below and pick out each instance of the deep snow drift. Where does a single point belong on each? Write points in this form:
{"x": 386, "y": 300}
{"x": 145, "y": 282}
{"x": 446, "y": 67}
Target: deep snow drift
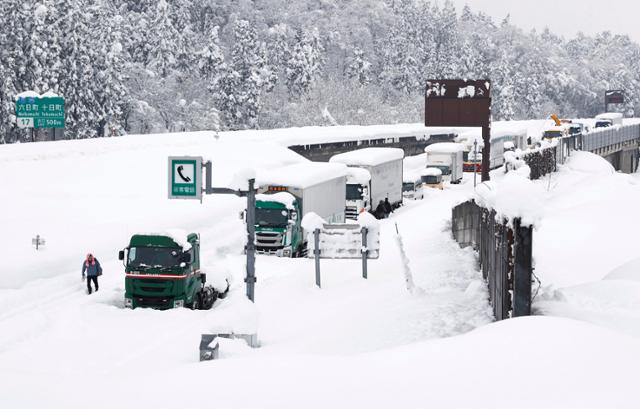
{"x": 352, "y": 343}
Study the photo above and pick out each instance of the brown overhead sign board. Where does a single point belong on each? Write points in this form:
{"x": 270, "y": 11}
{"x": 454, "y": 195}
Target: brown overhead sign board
{"x": 614, "y": 96}
{"x": 458, "y": 103}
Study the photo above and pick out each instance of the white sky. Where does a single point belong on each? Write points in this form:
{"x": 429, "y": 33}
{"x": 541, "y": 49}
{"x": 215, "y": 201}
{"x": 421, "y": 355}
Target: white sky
{"x": 564, "y": 17}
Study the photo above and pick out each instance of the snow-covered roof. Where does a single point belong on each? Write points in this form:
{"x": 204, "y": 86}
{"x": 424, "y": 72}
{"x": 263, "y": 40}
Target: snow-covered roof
{"x": 431, "y": 172}
{"x": 285, "y": 198}
{"x": 302, "y": 175}
{"x": 444, "y": 147}
{"x": 368, "y": 156}
{"x": 609, "y": 115}
{"x": 472, "y": 134}
{"x": 27, "y": 94}
{"x": 411, "y": 176}
{"x": 358, "y": 175}
{"x": 50, "y": 94}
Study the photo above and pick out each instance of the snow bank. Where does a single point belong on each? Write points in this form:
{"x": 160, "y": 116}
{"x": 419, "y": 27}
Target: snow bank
{"x": 588, "y": 162}
{"x": 513, "y": 196}
{"x": 627, "y": 271}
{"x": 311, "y": 222}
{"x": 368, "y": 156}
{"x": 285, "y": 198}
{"x": 240, "y": 180}
{"x": 302, "y": 175}
{"x": 411, "y": 176}
{"x": 444, "y": 147}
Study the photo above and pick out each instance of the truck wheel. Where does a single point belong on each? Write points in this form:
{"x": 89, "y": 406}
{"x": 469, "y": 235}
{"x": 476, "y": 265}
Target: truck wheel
{"x": 196, "y": 302}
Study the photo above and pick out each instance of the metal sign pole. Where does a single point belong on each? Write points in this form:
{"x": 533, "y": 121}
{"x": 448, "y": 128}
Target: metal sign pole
{"x": 486, "y": 152}
{"x": 316, "y": 252}
{"x": 475, "y": 159}
{"x": 365, "y": 252}
{"x": 251, "y": 245}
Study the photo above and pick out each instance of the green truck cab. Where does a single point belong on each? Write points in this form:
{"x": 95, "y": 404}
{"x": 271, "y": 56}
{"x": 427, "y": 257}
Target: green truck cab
{"x": 163, "y": 273}
{"x": 278, "y": 226}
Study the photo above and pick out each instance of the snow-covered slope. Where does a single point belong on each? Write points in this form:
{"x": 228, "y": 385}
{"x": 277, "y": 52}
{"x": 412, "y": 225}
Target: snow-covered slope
{"x": 352, "y": 343}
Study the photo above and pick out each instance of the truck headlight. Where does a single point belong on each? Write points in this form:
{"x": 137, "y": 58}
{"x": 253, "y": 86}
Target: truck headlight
{"x": 286, "y": 252}
{"x": 128, "y": 303}
{"x": 178, "y": 304}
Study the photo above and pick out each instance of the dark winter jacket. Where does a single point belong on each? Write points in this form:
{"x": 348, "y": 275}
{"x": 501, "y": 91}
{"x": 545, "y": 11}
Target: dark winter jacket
{"x": 92, "y": 268}
{"x": 387, "y": 207}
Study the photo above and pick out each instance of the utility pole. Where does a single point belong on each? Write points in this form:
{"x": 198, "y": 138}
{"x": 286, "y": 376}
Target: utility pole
{"x": 475, "y": 158}
{"x": 486, "y": 152}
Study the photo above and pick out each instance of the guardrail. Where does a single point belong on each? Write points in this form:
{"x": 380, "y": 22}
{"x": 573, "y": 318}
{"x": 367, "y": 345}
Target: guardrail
{"x": 505, "y": 250}
{"x": 604, "y": 137}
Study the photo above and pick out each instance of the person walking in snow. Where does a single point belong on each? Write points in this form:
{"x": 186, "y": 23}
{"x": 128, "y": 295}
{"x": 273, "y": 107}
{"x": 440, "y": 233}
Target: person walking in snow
{"x": 379, "y": 212}
{"x": 387, "y": 208}
{"x": 92, "y": 268}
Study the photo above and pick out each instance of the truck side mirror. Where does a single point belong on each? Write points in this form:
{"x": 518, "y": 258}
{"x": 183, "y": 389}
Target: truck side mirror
{"x": 121, "y": 255}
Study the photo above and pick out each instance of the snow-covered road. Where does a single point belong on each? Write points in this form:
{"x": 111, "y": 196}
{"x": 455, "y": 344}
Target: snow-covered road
{"x": 354, "y": 342}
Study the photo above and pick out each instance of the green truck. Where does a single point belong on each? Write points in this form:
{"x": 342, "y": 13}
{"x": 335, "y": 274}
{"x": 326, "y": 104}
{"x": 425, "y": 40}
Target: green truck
{"x": 163, "y": 272}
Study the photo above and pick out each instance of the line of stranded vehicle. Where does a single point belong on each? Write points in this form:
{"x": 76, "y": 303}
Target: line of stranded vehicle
{"x": 163, "y": 270}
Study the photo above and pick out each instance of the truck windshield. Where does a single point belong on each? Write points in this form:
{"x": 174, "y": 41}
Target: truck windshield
{"x": 431, "y": 180}
{"x": 408, "y": 187}
{"x": 154, "y": 257}
{"x": 271, "y": 217}
{"x": 552, "y": 134}
{"x": 603, "y": 124}
{"x": 444, "y": 169}
{"x": 354, "y": 192}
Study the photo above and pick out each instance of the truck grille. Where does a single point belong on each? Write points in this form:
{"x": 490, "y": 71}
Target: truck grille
{"x": 351, "y": 212}
{"x": 268, "y": 241}
{"x": 154, "y": 302}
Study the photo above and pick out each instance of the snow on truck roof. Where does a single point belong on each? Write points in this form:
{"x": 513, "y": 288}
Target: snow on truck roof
{"x": 358, "y": 175}
{"x": 445, "y": 147}
{"x": 285, "y": 198}
{"x": 302, "y": 175}
{"x": 368, "y": 156}
{"x": 609, "y": 115}
{"x": 431, "y": 172}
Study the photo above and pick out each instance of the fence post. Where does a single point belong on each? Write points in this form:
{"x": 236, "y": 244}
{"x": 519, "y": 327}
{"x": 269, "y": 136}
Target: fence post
{"x": 365, "y": 252}
{"x": 523, "y": 270}
{"x": 316, "y": 252}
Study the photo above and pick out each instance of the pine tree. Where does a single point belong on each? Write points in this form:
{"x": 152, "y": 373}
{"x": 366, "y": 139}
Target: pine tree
{"x": 359, "y": 68}
{"x": 239, "y": 91}
{"x": 303, "y": 62}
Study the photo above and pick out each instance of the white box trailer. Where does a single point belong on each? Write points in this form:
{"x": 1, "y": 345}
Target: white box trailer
{"x": 446, "y": 156}
{"x": 288, "y": 194}
{"x": 385, "y": 169}
{"x": 318, "y": 187}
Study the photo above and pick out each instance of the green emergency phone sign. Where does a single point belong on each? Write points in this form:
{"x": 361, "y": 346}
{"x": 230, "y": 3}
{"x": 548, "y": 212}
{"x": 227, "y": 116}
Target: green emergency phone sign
{"x": 185, "y": 177}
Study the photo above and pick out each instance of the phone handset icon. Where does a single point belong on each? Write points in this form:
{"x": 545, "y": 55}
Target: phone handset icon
{"x": 183, "y": 177}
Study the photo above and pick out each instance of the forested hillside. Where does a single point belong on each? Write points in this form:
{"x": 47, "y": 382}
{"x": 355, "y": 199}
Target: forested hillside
{"x": 141, "y": 66}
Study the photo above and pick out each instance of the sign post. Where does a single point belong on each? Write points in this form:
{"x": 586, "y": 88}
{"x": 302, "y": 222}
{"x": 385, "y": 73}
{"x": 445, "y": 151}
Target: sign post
{"x": 461, "y": 103}
{"x": 185, "y": 182}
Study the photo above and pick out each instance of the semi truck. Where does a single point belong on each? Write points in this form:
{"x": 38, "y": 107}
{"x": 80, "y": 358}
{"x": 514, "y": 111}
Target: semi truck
{"x": 431, "y": 177}
{"x": 162, "y": 271}
{"x": 501, "y": 140}
{"x": 608, "y": 119}
{"x": 287, "y": 194}
{"x": 446, "y": 156}
{"x": 384, "y": 166}
{"x": 412, "y": 185}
